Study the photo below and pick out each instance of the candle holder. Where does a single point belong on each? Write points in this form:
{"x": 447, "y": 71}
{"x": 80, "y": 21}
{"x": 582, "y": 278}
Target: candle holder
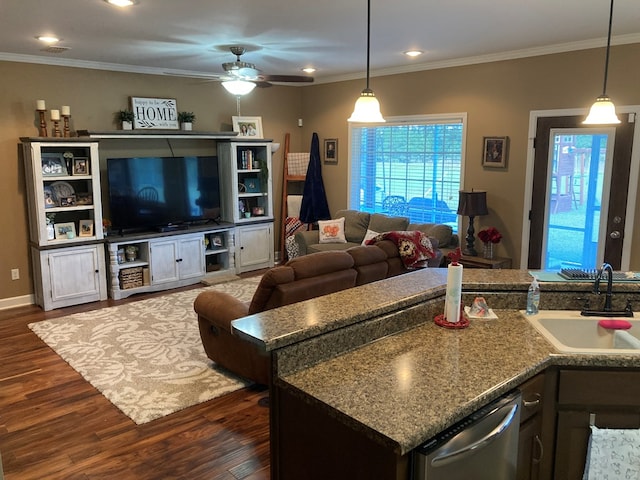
{"x": 65, "y": 129}
{"x": 55, "y": 131}
{"x": 42, "y": 131}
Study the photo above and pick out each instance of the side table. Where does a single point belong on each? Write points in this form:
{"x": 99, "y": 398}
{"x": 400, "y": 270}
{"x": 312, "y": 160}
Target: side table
{"x": 481, "y": 262}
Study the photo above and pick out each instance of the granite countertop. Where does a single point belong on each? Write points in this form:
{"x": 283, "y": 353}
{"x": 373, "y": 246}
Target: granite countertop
{"x": 406, "y": 388}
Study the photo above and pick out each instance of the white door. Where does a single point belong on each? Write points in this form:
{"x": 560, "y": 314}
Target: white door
{"x": 191, "y": 257}
{"x": 74, "y": 273}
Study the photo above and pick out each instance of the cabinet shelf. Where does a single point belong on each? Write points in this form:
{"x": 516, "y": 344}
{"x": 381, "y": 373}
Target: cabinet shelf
{"x": 216, "y": 251}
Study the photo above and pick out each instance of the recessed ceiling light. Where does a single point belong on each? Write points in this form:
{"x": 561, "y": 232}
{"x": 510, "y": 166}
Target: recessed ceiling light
{"x": 413, "y": 53}
{"x": 122, "y": 3}
{"x": 48, "y": 39}
{"x": 308, "y": 70}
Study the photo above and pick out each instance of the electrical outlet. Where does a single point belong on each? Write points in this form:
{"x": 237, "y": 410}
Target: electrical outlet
{"x": 15, "y": 274}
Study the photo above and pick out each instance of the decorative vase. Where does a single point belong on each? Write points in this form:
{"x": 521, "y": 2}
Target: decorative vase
{"x": 127, "y": 125}
{"x": 187, "y": 126}
{"x": 488, "y": 250}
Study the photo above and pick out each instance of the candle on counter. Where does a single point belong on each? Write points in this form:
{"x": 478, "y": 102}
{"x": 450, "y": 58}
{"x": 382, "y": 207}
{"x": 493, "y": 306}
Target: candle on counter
{"x": 55, "y": 114}
{"x": 40, "y": 105}
{"x": 66, "y": 110}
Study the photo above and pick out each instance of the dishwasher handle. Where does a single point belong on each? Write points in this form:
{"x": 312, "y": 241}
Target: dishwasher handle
{"x": 488, "y": 438}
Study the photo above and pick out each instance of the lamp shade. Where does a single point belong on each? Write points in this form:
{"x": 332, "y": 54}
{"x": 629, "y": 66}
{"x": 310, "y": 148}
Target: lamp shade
{"x": 602, "y": 112}
{"x": 367, "y": 109}
{"x": 473, "y": 203}
{"x": 238, "y": 87}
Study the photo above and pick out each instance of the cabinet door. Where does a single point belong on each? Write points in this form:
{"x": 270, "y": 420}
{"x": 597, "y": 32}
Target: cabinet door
{"x": 191, "y": 259}
{"x": 255, "y": 247}
{"x": 74, "y": 274}
{"x": 164, "y": 265}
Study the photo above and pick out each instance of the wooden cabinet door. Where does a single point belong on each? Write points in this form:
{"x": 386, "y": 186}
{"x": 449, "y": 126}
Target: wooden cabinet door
{"x": 191, "y": 257}
{"x": 74, "y": 275}
{"x": 255, "y": 247}
{"x": 164, "y": 265}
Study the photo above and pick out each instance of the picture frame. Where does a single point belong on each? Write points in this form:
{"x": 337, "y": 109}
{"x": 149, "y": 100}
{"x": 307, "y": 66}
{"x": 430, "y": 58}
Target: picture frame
{"x": 49, "y": 198}
{"x": 68, "y": 201}
{"x": 65, "y": 230}
{"x": 216, "y": 241}
{"x": 331, "y": 150}
{"x": 53, "y": 165}
{"x": 84, "y": 198}
{"x": 495, "y": 152}
{"x": 81, "y": 166}
{"x": 155, "y": 113}
{"x": 86, "y": 228}
{"x": 248, "y": 127}
{"x": 252, "y": 185}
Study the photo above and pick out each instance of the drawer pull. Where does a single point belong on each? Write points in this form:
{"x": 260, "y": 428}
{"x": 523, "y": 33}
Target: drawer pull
{"x": 532, "y": 403}
{"x": 540, "y": 449}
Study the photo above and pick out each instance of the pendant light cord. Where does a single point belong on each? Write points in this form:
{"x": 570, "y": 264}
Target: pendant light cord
{"x": 606, "y": 61}
{"x": 369, "y": 38}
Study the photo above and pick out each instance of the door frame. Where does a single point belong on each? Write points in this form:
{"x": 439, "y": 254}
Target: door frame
{"x": 634, "y": 175}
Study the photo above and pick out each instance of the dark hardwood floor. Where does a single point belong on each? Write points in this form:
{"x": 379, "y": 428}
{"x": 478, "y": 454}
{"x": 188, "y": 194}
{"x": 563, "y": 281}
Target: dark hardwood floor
{"x": 55, "y": 425}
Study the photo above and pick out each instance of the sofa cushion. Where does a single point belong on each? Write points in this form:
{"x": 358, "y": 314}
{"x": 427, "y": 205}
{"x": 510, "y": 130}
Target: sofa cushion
{"x": 443, "y": 233}
{"x": 370, "y": 262}
{"x": 355, "y": 224}
{"x": 331, "y": 231}
{"x": 368, "y": 236}
{"x": 330, "y": 247}
{"x": 384, "y": 223}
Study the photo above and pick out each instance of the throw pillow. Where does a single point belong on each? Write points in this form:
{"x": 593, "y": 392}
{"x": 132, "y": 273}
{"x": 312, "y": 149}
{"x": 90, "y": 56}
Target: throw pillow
{"x": 368, "y": 236}
{"x": 332, "y": 231}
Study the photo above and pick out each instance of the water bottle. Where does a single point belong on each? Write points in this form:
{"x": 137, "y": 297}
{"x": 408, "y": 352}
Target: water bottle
{"x": 533, "y": 297}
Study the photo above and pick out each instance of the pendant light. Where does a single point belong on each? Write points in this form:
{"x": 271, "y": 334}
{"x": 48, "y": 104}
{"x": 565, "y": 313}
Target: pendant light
{"x": 367, "y": 108}
{"x": 238, "y": 87}
{"x": 603, "y": 111}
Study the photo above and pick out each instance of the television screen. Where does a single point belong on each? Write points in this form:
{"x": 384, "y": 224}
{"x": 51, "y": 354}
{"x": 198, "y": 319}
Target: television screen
{"x": 153, "y": 192}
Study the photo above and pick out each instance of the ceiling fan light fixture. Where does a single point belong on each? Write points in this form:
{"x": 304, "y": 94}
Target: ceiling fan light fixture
{"x": 603, "y": 111}
{"x": 367, "y": 107}
{"x": 238, "y": 87}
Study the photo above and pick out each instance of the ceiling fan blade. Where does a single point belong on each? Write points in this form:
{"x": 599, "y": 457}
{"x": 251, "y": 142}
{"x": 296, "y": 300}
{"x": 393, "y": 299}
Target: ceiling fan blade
{"x": 287, "y": 78}
{"x": 261, "y": 84}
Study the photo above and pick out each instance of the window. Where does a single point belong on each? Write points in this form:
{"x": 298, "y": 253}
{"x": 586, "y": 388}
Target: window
{"x": 409, "y": 166}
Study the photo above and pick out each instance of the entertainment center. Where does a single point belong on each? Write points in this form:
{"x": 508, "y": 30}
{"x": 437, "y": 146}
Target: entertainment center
{"x": 174, "y": 219}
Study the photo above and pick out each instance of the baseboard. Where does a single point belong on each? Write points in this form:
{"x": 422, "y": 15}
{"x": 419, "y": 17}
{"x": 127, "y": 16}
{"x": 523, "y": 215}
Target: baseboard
{"x": 13, "y": 302}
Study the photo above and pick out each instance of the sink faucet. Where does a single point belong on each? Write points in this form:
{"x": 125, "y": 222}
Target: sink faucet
{"x": 607, "y": 310}
{"x": 596, "y": 285}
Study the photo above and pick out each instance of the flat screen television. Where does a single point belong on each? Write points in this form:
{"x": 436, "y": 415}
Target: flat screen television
{"x": 147, "y": 193}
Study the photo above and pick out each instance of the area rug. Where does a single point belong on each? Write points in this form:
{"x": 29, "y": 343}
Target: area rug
{"x": 145, "y": 356}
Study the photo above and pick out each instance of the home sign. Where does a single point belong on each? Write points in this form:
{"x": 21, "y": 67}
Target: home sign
{"x": 155, "y": 113}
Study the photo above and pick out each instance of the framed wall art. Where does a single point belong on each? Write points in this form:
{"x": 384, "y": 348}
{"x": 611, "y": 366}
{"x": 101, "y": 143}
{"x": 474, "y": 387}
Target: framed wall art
{"x": 248, "y": 126}
{"x": 155, "y": 113}
{"x": 331, "y": 150}
{"x": 86, "y": 228}
{"x": 495, "y": 152}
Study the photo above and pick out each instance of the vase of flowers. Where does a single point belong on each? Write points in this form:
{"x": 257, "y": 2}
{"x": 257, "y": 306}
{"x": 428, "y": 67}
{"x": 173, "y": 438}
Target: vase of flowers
{"x": 489, "y": 236}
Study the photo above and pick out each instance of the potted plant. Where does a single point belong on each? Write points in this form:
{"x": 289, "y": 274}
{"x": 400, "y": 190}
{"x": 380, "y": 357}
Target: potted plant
{"x": 186, "y": 120}
{"x": 126, "y": 119}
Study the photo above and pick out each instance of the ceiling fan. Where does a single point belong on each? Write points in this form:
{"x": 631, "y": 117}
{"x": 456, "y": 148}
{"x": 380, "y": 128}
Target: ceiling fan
{"x": 247, "y": 72}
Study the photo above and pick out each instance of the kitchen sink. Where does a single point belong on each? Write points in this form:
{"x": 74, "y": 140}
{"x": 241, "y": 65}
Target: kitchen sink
{"x": 570, "y": 332}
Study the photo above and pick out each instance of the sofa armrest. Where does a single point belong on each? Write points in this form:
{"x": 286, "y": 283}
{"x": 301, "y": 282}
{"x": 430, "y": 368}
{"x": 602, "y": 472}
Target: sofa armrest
{"x": 219, "y": 308}
{"x": 306, "y": 238}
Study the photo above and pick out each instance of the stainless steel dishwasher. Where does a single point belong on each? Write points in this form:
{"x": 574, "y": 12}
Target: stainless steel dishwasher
{"x": 483, "y": 446}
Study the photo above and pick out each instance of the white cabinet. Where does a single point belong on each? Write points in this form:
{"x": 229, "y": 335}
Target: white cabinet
{"x": 173, "y": 260}
{"x": 65, "y": 220}
{"x": 157, "y": 261}
{"x": 254, "y": 247}
{"x": 69, "y": 276}
{"x": 248, "y": 194}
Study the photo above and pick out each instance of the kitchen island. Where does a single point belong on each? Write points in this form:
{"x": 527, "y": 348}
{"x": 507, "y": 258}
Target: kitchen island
{"x": 365, "y": 376}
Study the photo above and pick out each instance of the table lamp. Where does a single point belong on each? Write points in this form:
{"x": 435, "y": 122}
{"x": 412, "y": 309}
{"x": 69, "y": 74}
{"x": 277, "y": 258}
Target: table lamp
{"x": 472, "y": 204}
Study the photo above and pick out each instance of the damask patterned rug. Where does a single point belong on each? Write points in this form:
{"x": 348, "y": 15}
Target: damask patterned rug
{"x": 146, "y": 356}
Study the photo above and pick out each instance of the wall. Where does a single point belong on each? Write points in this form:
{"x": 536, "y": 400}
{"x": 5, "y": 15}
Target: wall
{"x": 498, "y": 98}
{"x": 94, "y": 96}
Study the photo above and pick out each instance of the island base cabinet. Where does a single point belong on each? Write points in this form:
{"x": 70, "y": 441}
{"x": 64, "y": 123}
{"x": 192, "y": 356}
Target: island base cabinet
{"x": 312, "y": 444}
{"x": 69, "y": 276}
{"x": 611, "y": 396}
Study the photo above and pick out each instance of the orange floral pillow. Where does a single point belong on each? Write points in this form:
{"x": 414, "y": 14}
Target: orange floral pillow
{"x": 332, "y": 231}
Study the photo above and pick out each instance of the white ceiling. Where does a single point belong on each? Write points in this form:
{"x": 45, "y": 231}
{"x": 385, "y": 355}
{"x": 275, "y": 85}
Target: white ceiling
{"x": 282, "y": 36}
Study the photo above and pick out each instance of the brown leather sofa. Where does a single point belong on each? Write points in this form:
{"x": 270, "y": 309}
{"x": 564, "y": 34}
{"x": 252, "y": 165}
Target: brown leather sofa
{"x": 301, "y": 278}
